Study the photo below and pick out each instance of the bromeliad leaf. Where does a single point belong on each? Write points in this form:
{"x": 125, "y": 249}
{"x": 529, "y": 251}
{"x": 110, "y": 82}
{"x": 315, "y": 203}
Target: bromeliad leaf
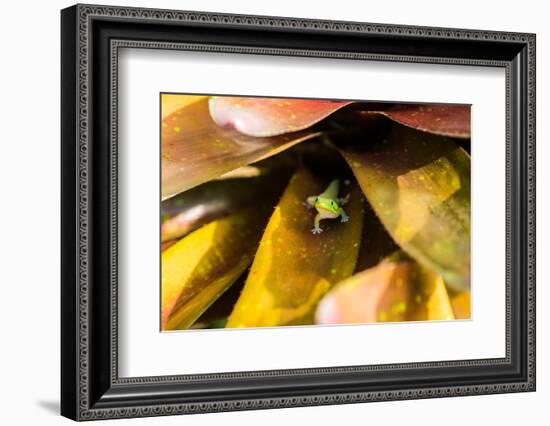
{"x": 462, "y": 304}
{"x": 294, "y": 268}
{"x": 216, "y": 199}
{"x": 262, "y": 117}
{"x": 397, "y": 289}
{"x": 419, "y": 186}
{"x": 439, "y": 119}
{"x": 195, "y": 149}
{"x": 376, "y": 243}
{"x": 167, "y": 244}
{"x": 444, "y": 120}
{"x": 171, "y": 102}
{"x": 200, "y": 267}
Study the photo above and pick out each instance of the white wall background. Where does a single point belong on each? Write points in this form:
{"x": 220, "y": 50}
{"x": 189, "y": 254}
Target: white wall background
{"x": 29, "y": 213}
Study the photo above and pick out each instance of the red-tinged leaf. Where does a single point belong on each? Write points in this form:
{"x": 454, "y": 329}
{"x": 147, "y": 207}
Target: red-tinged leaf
{"x": 262, "y": 117}
{"x": 212, "y": 200}
{"x": 397, "y": 289}
{"x": 439, "y": 119}
{"x": 167, "y": 244}
{"x": 445, "y": 120}
{"x": 195, "y": 149}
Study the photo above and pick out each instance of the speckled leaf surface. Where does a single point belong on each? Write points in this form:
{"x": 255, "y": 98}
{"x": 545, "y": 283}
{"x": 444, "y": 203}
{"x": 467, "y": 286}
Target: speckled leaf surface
{"x": 201, "y": 266}
{"x": 394, "y": 290}
{"x": 195, "y": 149}
{"x": 171, "y": 102}
{"x": 294, "y": 268}
{"x": 263, "y": 117}
{"x": 441, "y": 119}
{"x": 419, "y": 186}
{"x": 212, "y": 200}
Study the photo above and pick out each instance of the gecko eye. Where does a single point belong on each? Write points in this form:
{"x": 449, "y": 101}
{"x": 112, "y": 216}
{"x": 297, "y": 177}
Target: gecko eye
{"x": 316, "y": 199}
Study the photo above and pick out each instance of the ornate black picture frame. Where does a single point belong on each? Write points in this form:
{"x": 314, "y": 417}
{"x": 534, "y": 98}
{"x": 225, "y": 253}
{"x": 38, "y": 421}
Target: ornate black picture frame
{"x": 91, "y": 37}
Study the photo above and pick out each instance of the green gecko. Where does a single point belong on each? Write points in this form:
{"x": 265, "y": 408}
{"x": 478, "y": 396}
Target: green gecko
{"x": 328, "y": 205}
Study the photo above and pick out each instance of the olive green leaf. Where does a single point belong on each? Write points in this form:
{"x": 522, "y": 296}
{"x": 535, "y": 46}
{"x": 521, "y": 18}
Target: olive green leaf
{"x": 419, "y": 186}
{"x": 293, "y": 268}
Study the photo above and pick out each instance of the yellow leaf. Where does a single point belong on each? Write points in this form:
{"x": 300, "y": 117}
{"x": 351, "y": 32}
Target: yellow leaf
{"x": 294, "y": 268}
{"x": 201, "y": 266}
{"x": 171, "y": 102}
{"x": 461, "y": 303}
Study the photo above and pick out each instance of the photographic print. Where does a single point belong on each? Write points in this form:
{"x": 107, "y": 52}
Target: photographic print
{"x": 311, "y": 212}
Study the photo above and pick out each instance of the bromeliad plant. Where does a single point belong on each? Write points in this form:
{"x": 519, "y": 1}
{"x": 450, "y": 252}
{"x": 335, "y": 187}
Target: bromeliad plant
{"x": 290, "y": 211}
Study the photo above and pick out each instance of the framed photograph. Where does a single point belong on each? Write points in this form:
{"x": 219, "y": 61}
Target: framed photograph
{"x": 263, "y": 212}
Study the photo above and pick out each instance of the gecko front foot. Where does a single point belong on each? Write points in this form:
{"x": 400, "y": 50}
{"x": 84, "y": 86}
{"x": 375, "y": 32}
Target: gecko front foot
{"x": 344, "y": 218}
{"x": 316, "y": 230}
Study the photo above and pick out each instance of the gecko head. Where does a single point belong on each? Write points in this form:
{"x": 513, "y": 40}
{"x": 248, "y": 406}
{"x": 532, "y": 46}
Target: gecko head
{"x": 327, "y": 205}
